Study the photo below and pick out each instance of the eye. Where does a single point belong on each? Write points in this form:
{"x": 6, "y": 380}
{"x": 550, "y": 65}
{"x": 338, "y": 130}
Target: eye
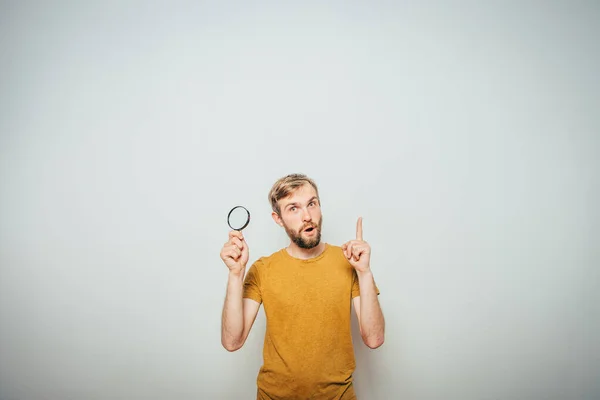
{"x": 293, "y": 209}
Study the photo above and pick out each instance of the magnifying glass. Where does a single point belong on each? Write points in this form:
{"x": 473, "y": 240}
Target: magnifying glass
{"x": 238, "y": 218}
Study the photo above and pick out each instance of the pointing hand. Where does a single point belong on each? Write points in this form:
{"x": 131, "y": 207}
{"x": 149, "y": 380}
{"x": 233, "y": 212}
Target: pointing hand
{"x": 358, "y": 252}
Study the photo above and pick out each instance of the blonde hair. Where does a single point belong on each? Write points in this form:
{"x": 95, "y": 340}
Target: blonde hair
{"x": 285, "y": 186}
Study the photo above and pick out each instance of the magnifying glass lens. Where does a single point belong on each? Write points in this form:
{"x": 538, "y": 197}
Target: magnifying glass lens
{"x": 238, "y": 218}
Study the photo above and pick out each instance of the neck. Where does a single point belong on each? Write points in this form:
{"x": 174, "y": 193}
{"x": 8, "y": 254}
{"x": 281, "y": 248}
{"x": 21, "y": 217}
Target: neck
{"x": 305, "y": 254}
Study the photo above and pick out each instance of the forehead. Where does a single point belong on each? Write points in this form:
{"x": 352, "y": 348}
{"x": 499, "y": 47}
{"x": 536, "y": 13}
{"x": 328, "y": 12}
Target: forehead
{"x": 301, "y": 194}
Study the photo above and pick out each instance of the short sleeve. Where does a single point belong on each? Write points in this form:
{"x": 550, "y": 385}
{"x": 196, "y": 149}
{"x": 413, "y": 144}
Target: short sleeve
{"x": 252, "y": 288}
{"x": 356, "y": 287}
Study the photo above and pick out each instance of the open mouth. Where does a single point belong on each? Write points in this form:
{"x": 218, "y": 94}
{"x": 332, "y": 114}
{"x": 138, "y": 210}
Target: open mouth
{"x": 309, "y": 229}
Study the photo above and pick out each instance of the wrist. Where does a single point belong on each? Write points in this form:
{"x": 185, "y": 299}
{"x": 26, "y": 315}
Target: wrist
{"x": 237, "y": 274}
{"x": 364, "y": 274}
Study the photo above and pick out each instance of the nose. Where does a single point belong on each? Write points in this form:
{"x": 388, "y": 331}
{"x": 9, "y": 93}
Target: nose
{"x": 306, "y": 216}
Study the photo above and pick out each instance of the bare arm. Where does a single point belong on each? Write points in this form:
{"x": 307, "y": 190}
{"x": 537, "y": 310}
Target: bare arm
{"x": 238, "y": 314}
{"x": 368, "y": 312}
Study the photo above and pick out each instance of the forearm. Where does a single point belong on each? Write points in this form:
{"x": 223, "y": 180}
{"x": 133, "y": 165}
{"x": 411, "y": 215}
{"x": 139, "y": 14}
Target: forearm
{"x": 372, "y": 323}
{"x": 232, "y": 321}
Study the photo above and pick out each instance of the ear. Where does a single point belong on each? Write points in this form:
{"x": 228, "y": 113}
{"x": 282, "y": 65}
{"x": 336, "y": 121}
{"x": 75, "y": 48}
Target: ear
{"x": 277, "y": 218}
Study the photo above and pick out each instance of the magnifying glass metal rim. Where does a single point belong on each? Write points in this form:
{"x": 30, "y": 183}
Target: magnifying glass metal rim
{"x": 247, "y": 221}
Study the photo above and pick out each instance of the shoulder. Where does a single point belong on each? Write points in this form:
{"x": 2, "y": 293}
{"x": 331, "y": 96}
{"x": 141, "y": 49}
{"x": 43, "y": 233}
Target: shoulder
{"x": 336, "y": 252}
{"x": 267, "y": 260}
{"x": 335, "y": 257}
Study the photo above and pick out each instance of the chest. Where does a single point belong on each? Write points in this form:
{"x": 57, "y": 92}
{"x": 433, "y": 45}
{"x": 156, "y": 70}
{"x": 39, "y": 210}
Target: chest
{"x": 318, "y": 285}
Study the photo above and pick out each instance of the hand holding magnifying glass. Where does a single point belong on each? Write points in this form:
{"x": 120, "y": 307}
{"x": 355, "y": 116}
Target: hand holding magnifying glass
{"x": 235, "y": 252}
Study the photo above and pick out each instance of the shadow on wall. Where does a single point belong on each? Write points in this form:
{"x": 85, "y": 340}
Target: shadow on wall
{"x": 376, "y": 370}
{"x": 363, "y": 381}
{"x": 243, "y": 365}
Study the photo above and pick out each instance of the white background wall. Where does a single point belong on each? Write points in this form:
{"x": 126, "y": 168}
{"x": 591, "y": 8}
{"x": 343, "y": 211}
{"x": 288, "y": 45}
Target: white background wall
{"x": 466, "y": 135}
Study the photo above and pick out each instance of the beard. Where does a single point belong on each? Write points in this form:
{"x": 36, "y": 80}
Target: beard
{"x": 302, "y": 242}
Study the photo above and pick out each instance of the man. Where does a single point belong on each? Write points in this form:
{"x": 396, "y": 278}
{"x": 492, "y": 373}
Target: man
{"x": 307, "y": 290}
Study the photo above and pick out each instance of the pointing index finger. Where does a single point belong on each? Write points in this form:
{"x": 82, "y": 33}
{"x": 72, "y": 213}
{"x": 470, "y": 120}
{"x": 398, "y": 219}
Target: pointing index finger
{"x": 359, "y": 232}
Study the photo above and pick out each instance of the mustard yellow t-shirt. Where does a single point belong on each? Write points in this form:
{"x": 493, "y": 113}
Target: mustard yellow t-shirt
{"x": 308, "y": 351}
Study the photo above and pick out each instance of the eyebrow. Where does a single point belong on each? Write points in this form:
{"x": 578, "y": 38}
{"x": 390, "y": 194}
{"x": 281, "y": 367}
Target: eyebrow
{"x": 296, "y": 203}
